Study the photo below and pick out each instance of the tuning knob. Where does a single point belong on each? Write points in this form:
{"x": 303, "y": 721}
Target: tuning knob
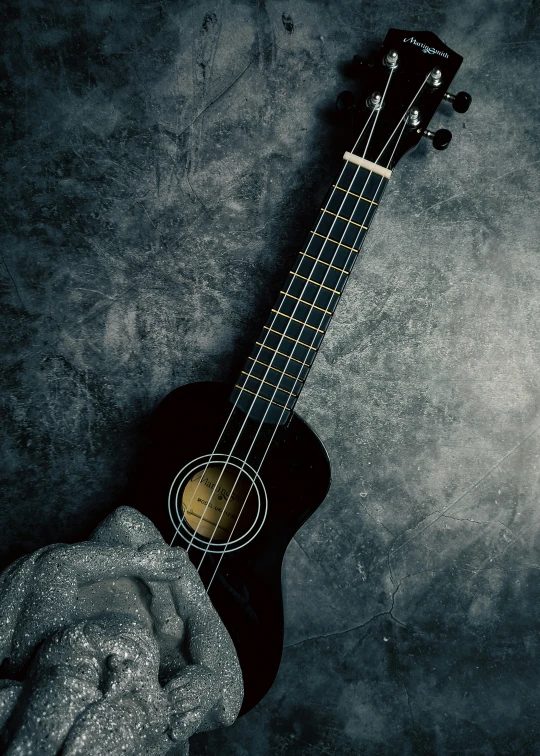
{"x": 344, "y": 101}
{"x": 440, "y": 139}
{"x": 461, "y": 101}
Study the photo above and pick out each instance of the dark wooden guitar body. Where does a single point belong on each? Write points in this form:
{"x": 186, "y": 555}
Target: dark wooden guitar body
{"x": 280, "y": 473}
{"x": 296, "y": 473}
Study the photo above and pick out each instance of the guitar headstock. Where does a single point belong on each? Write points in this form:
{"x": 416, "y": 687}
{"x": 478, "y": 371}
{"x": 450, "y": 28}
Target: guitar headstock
{"x": 403, "y": 86}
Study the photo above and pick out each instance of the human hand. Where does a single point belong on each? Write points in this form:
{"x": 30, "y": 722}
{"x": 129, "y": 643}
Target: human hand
{"x": 193, "y": 696}
{"x": 159, "y": 562}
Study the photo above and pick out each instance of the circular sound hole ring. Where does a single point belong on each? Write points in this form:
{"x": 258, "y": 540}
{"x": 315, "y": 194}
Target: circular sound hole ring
{"x": 177, "y": 517}
{"x": 189, "y": 528}
{"x": 177, "y": 489}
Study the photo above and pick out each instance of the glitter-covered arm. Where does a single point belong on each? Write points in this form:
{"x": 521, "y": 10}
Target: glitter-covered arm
{"x": 92, "y": 562}
{"x": 55, "y": 574}
{"x": 208, "y": 693}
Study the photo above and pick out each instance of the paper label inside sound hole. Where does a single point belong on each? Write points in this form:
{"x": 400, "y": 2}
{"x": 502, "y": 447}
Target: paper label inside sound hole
{"x": 213, "y": 499}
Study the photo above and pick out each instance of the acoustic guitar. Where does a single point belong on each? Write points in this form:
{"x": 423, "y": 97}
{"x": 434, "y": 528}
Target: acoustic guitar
{"x": 234, "y": 470}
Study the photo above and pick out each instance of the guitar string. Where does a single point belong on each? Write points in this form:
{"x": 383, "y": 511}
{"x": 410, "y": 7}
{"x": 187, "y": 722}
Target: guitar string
{"x": 261, "y": 347}
{"x": 296, "y": 381}
{"x": 277, "y": 425}
{"x": 350, "y": 256}
{"x": 213, "y": 453}
{"x": 303, "y": 327}
{"x": 210, "y": 541}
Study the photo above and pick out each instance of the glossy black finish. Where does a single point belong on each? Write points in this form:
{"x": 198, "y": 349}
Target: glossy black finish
{"x": 419, "y": 53}
{"x": 456, "y": 389}
{"x": 345, "y": 101}
{"x": 461, "y": 101}
{"x": 441, "y": 139}
{"x": 296, "y": 473}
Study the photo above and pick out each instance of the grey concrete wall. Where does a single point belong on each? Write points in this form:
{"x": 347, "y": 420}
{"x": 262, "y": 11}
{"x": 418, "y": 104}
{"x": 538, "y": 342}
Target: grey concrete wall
{"x": 163, "y": 162}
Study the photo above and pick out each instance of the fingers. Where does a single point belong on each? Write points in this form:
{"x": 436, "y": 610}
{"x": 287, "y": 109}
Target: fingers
{"x": 162, "y": 551}
{"x": 161, "y": 562}
{"x": 185, "y": 724}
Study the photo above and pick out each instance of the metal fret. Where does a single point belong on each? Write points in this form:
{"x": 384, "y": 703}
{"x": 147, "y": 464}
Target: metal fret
{"x": 346, "y": 216}
{"x": 286, "y": 294}
{"x": 302, "y": 322}
{"x": 260, "y": 396}
{"x": 361, "y": 180}
{"x": 252, "y": 375}
{"x": 327, "y": 238}
{"x": 341, "y": 189}
{"x": 289, "y": 337}
{"x": 294, "y": 377}
{"x": 283, "y": 354}
{"x": 309, "y": 280}
{"x": 347, "y": 220}
{"x": 341, "y": 270}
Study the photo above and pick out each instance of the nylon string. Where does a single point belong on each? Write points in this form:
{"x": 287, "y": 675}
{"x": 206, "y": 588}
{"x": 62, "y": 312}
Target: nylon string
{"x": 277, "y": 426}
{"x": 403, "y": 122}
{"x": 327, "y": 238}
{"x": 261, "y": 347}
{"x": 403, "y": 119}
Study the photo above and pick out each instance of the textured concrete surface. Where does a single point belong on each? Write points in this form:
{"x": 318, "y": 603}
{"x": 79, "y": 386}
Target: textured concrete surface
{"x": 163, "y": 163}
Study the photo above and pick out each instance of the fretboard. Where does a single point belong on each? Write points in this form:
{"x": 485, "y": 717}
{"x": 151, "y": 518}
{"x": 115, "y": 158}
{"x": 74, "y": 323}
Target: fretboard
{"x": 273, "y": 376}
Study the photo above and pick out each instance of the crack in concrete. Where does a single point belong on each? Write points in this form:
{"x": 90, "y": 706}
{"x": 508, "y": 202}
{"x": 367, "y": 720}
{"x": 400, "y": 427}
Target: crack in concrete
{"x": 483, "y": 522}
{"x": 141, "y": 267}
{"x": 199, "y": 200}
{"x": 442, "y": 513}
{"x": 219, "y": 96}
{"x": 387, "y": 613}
{"x": 378, "y": 522}
{"x": 297, "y": 542}
{"x": 14, "y": 283}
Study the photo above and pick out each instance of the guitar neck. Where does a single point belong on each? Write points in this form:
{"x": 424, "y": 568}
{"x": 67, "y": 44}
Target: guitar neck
{"x": 273, "y": 376}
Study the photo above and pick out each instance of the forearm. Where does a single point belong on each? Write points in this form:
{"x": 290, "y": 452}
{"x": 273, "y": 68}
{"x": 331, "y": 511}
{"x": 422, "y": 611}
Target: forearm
{"x": 207, "y": 640}
{"x": 209, "y": 649}
{"x": 91, "y": 562}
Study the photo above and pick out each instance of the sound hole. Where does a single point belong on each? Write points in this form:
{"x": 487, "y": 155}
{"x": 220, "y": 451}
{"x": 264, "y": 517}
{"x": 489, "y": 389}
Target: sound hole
{"x": 212, "y": 499}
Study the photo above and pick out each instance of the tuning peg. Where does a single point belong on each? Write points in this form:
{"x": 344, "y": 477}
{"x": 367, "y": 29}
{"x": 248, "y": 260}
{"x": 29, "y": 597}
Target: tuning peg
{"x": 345, "y": 102}
{"x": 440, "y": 139}
{"x": 461, "y": 101}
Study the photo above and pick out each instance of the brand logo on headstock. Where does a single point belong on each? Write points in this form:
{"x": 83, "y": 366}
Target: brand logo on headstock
{"x": 425, "y": 48}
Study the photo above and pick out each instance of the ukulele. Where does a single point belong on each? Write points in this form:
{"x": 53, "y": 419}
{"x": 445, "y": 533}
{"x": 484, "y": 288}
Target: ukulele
{"x": 234, "y": 471}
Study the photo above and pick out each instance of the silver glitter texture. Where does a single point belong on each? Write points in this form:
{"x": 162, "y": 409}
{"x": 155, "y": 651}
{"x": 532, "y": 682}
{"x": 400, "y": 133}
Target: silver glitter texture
{"x": 111, "y": 646}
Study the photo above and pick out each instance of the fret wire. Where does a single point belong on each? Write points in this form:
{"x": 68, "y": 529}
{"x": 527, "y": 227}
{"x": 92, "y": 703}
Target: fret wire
{"x": 347, "y": 220}
{"x": 359, "y": 179}
{"x": 347, "y": 191}
{"x": 298, "y": 321}
{"x": 286, "y": 294}
{"x": 294, "y": 377}
{"x": 334, "y": 291}
{"x": 289, "y": 337}
{"x": 283, "y": 354}
{"x": 260, "y": 396}
{"x": 335, "y": 267}
{"x": 357, "y": 205}
{"x": 251, "y": 375}
{"x": 327, "y": 238}
{"x": 375, "y": 194}
{"x": 311, "y": 305}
